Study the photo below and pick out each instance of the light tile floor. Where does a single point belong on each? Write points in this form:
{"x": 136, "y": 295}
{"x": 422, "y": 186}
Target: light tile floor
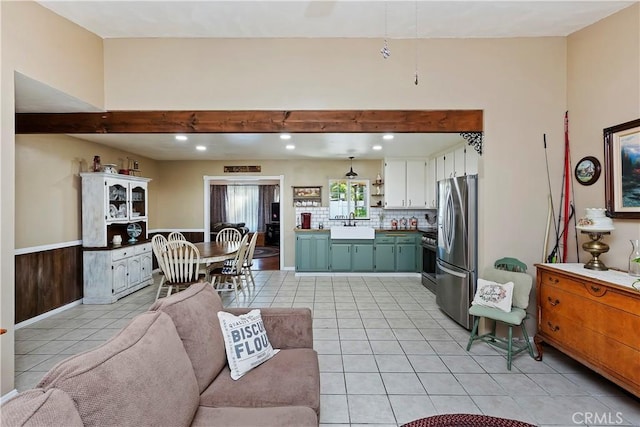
{"x": 387, "y": 356}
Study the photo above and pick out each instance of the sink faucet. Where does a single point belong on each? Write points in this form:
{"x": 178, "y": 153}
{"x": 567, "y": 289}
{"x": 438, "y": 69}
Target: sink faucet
{"x": 352, "y": 216}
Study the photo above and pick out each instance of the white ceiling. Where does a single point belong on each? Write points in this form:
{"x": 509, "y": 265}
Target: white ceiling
{"x": 333, "y": 18}
{"x": 301, "y": 19}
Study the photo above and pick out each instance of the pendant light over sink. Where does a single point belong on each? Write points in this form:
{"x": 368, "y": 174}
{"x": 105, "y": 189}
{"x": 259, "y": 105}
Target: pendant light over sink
{"x": 351, "y": 174}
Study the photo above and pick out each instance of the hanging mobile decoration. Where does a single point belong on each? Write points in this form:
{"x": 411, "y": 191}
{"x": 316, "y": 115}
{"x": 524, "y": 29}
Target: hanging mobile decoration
{"x": 416, "y": 44}
{"x": 386, "y": 53}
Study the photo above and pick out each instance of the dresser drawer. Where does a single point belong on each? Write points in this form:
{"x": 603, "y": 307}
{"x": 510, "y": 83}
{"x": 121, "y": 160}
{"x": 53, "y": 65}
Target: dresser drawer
{"x": 592, "y": 314}
{"x": 123, "y": 253}
{"x": 592, "y": 291}
{"x": 568, "y": 332}
{"x": 140, "y": 249}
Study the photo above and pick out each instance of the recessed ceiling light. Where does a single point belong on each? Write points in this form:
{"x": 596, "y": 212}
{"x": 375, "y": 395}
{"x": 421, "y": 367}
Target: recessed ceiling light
{"x": 290, "y": 147}
{"x": 377, "y": 147}
{"x": 387, "y": 136}
{"x": 181, "y": 137}
{"x": 201, "y": 148}
{"x": 285, "y": 136}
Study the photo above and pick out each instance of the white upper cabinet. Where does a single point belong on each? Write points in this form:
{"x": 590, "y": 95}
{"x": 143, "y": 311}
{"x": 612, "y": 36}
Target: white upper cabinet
{"x": 458, "y": 162}
{"x": 109, "y": 203}
{"x": 417, "y": 183}
{"x": 431, "y": 183}
{"x": 440, "y": 168}
{"x": 461, "y": 161}
{"x": 405, "y": 184}
{"x": 471, "y": 161}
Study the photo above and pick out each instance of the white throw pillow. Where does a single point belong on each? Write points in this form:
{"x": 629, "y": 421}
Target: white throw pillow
{"x": 492, "y": 294}
{"x": 245, "y": 341}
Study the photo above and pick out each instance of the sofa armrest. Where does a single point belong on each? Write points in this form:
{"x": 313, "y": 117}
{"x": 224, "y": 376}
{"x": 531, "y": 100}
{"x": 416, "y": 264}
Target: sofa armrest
{"x": 286, "y": 327}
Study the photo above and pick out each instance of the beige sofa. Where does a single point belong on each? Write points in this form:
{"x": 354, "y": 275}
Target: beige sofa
{"x": 168, "y": 367}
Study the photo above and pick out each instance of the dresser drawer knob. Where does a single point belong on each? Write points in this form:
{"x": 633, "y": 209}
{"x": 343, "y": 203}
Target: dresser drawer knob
{"x": 553, "y": 328}
{"x": 552, "y": 302}
{"x": 553, "y": 280}
{"x": 595, "y": 288}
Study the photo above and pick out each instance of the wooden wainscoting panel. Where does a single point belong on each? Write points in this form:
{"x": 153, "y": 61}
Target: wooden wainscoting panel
{"x": 47, "y": 280}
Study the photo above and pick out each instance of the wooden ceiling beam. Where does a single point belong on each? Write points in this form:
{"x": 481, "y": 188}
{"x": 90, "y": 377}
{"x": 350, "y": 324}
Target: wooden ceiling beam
{"x": 253, "y": 121}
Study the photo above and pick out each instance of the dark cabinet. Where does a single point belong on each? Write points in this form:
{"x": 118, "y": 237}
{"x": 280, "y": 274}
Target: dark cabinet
{"x": 272, "y": 237}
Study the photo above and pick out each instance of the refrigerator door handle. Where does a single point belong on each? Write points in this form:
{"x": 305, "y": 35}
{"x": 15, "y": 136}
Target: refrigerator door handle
{"x": 449, "y": 222}
{"x": 453, "y": 273}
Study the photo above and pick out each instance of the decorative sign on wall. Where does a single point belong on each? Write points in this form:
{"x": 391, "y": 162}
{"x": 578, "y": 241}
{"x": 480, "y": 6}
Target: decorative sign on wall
{"x": 240, "y": 169}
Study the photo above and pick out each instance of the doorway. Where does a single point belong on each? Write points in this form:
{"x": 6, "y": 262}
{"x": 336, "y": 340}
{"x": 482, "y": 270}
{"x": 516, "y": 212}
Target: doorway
{"x": 265, "y": 259}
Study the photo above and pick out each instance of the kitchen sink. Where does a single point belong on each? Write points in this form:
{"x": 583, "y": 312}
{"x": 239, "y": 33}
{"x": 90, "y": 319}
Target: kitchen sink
{"x": 353, "y": 232}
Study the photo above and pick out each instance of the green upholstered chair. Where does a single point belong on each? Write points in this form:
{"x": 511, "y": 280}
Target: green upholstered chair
{"x": 511, "y": 264}
{"x": 522, "y": 287}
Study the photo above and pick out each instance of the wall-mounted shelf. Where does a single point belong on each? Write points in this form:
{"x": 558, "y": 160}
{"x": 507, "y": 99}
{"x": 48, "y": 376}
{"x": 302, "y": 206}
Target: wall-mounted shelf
{"x": 307, "y": 196}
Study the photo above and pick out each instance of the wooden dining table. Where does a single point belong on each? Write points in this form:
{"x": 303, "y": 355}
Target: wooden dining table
{"x": 211, "y": 252}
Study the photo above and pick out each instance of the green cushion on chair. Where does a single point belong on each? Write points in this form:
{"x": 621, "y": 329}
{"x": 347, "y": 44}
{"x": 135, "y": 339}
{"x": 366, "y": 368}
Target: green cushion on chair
{"x": 522, "y": 284}
{"x": 515, "y": 317}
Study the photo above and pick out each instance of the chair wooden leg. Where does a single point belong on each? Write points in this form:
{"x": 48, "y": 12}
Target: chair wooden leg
{"x": 253, "y": 281}
{"x": 160, "y": 288}
{"x": 474, "y": 332}
{"x": 235, "y": 291}
{"x": 510, "y": 347}
{"x": 525, "y": 336}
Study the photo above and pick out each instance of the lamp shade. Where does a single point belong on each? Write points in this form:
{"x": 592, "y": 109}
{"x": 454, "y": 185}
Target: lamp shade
{"x": 351, "y": 174}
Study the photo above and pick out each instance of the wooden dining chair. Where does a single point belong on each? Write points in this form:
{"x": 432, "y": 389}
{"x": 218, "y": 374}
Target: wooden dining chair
{"x": 229, "y": 235}
{"x": 228, "y": 277}
{"x": 158, "y": 243}
{"x": 248, "y": 260}
{"x": 181, "y": 262}
{"x": 176, "y": 236}
{"x": 225, "y": 235}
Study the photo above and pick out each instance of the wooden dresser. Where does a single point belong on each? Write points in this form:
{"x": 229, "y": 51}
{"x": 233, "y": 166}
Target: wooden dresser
{"x": 593, "y": 317}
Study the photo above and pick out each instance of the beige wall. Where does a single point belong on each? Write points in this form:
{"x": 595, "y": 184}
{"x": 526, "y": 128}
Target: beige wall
{"x": 48, "y": 186}
{"x": 519, "y": 83}
{"x": 43, "y": 46}
{"x": 603, "y": 91}
{"x": 181, "y": 184}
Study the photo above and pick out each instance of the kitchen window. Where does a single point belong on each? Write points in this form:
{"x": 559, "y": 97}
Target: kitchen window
{"x": 348, "y": 196}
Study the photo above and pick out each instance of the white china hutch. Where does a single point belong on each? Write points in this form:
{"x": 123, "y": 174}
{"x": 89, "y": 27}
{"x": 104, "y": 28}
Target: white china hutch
{"x": 114, "y": 205}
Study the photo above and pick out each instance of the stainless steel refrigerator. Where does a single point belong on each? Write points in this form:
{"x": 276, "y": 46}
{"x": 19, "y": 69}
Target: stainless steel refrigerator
{"x": 456, "y": 262}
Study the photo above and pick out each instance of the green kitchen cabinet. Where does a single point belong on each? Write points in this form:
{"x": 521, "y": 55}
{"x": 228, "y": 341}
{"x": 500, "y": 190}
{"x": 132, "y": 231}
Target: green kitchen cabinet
{"x": 406, "y": 257}
{"x": 351, "y": 256}
{"x": 385, "y": 257}
{"x": 397, "y": 251}
{"x": 312, "y": 251}
{"x": 362, "y": 257}
{"x": 341, "y": 256}
{"x": 407, "y": 252}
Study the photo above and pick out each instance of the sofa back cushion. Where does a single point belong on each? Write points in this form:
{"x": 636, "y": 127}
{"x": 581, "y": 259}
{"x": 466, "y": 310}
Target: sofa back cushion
{"x": 38, "y": 407}
{"x": 142, "y": 376}
{"x": 194, "y": 311}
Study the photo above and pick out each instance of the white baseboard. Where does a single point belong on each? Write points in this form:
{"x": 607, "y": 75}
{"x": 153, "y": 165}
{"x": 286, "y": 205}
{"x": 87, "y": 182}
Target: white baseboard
{"x": 47, "y": 314}
{"x": 333, "y": 274}
{"x": 8, "y": 396}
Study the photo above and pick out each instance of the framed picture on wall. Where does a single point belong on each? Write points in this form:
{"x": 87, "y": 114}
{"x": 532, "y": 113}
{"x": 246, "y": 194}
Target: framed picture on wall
{"x": 622, "y": 170}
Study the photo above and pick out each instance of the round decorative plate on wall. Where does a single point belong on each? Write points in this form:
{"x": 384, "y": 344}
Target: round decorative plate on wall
{"x": 587, "y": 170}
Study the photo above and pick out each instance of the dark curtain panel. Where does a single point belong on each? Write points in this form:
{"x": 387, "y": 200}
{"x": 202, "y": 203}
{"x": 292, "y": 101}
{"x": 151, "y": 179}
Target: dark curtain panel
{"x": 266, "y": 197}
{"x": 218, "y": 201}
